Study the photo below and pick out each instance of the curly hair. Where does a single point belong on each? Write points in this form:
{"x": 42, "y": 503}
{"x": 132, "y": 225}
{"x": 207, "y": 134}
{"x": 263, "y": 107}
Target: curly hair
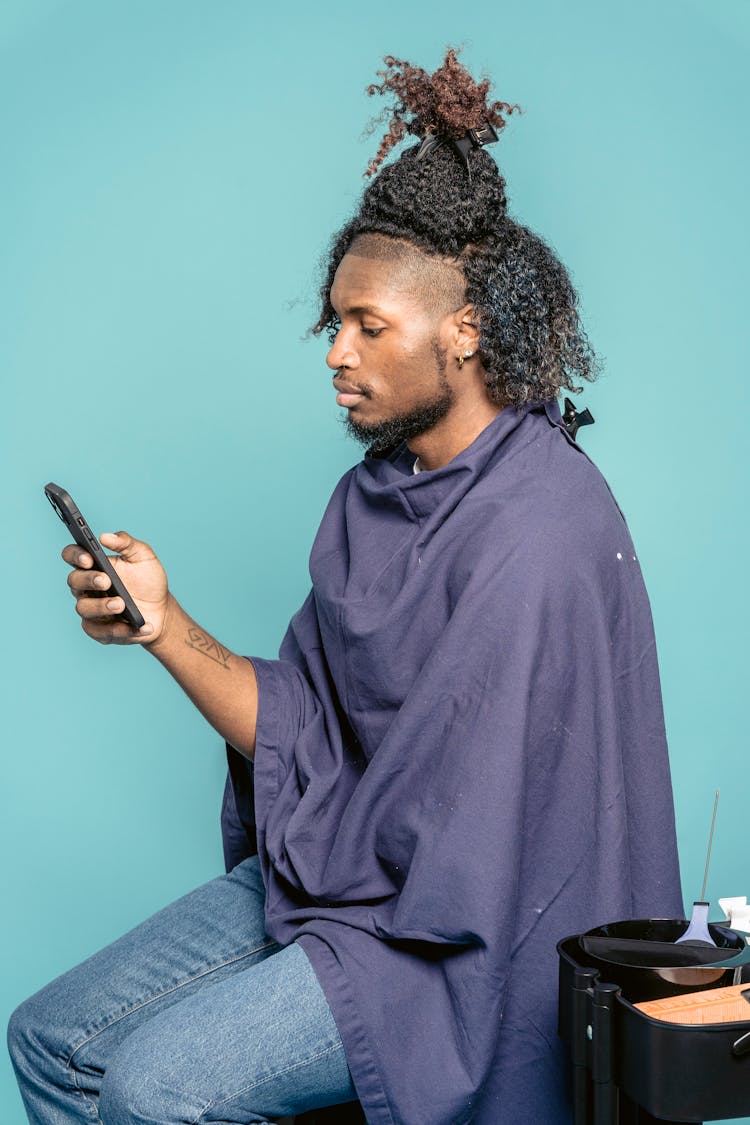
{"x": 531, "y": 344}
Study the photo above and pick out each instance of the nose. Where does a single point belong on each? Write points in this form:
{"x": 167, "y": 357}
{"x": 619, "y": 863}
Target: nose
{"x": 342, "y": 354}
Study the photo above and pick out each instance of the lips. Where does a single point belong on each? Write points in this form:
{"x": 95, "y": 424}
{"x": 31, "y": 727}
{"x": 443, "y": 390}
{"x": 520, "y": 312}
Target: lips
{"x": 346, "y": 388}
{"x": 347, "y": 394}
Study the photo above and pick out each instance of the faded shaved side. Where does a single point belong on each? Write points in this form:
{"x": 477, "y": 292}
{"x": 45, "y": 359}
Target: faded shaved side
{"x": 438, "y": 283}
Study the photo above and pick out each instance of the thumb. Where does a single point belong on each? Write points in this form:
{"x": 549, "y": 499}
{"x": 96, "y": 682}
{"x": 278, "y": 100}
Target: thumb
{"x": 128, "y": 548}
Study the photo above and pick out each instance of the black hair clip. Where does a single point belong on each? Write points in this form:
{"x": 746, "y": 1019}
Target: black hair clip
{"x": 572, "y": 419}
{"x": 472, "y": 138}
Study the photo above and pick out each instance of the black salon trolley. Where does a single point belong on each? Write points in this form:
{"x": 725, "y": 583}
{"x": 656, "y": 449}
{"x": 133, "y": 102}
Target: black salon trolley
{"x": 630, "y": 1069}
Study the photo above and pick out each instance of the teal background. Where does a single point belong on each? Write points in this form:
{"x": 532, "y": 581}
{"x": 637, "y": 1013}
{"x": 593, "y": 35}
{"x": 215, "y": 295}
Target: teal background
{"x": 171, "y": 174}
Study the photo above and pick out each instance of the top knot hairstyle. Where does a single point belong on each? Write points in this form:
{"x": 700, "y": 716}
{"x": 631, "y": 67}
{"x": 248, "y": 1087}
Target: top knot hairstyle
{"x": 531, "y": 345}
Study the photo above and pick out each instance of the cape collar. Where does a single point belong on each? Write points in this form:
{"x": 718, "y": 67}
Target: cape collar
{"x": 389, "y": 480}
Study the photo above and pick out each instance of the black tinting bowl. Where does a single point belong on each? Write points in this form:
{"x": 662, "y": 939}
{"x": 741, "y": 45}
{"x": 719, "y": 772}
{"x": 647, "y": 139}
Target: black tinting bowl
{"x": 641, "y": 956}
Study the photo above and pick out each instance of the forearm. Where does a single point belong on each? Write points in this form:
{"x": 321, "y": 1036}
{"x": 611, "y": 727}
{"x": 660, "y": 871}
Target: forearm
{"x": 221, "y": 684}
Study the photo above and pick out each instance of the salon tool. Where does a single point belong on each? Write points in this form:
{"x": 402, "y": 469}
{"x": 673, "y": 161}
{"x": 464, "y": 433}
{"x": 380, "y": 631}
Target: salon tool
{"x": 573, "y": 419}
{"x": 717, "y": 1005}
{"x": 485, "y": 134}
{"x": 698, "y": 930}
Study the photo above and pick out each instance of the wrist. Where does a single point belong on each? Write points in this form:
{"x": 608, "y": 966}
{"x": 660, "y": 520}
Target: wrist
{"x": 163, "y": 641}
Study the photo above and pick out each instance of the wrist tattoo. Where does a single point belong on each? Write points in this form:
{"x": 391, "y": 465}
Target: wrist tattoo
{"x": 201, "y": 642}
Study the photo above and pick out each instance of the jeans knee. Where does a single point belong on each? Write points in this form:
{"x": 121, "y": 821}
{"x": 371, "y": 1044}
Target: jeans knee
{"x": 21, "y": 1032}
{"x": 133, "y": 1094}
{"x": 25, "y": 1038}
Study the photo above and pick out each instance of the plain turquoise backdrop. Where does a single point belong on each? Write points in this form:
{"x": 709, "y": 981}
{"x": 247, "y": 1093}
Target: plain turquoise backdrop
{"x": 171, "y": 174}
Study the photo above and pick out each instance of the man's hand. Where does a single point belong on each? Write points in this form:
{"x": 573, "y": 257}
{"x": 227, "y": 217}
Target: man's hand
{"x": 221, "y": 685}
{"x": 144, "y": 578}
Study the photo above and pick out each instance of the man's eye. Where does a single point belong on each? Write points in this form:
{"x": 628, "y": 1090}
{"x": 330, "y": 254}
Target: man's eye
{"x": 372, "y": 331}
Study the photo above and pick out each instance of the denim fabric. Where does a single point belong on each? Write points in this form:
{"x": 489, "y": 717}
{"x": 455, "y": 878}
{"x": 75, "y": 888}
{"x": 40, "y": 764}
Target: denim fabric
{"x": 194, "y": 1016}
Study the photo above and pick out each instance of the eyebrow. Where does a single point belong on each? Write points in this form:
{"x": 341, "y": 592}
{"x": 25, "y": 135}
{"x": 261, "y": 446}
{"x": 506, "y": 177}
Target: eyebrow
{"x": 361, "y": 309}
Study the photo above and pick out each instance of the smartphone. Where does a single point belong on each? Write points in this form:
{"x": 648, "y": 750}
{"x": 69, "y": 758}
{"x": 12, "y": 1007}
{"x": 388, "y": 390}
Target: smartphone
{"x": 84, "y": 537}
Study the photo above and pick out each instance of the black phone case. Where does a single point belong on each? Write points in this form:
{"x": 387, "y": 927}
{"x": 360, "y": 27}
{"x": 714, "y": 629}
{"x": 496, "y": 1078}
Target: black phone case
{"x": 84, "y": 537}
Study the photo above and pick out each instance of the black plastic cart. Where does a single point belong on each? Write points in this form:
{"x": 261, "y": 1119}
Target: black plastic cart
{"x": 630, "y": 1069}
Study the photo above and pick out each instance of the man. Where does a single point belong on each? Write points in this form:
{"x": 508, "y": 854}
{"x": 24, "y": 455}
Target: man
{"x": 459, "y": 756}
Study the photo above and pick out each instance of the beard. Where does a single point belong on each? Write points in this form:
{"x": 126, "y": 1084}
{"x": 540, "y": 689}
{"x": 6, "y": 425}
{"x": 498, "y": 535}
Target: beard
{"x": 391, "y": 432}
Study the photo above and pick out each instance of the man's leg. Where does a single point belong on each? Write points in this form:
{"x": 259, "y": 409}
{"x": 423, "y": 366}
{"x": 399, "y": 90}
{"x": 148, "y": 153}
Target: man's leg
{"x": 63, "y": 1039}
{"x": 257, "y": 1046}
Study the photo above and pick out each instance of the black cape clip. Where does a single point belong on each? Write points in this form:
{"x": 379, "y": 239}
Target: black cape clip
{"x": 472, "y": 138}
{"x": 572, "y": 419}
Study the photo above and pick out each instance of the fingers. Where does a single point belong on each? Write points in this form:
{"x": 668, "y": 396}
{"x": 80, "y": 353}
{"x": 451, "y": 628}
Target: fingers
{"x": 82, "y": 580}
{"x": 109, "y": 631}
{"x": 101, "y": 622}
{"x": 93, "y": 608}
{"x": 97, "y": 604}
{"x": 76, "y": 556}
{"x": 104, "y": 609}
{"x": 132, "y": 550}
{"x": 128, "y": 548}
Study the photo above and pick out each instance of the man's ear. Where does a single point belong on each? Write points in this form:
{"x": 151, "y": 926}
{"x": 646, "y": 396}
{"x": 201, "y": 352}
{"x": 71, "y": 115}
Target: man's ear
{"x": 466, "y": 320}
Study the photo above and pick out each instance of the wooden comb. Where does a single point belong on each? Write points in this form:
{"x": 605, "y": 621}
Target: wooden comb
{"x": 712, "y": 1005}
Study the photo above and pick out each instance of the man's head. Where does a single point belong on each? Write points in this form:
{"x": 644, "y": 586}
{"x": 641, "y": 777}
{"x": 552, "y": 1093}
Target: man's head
{"x": 434, "y": 238}
{"x": 403, "y": 321}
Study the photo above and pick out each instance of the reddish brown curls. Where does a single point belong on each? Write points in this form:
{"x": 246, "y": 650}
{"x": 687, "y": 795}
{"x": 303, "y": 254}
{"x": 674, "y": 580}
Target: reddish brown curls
{"x": 448, "y": 101}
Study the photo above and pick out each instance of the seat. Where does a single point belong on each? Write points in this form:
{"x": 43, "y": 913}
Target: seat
{"x": 348, "y": 1113}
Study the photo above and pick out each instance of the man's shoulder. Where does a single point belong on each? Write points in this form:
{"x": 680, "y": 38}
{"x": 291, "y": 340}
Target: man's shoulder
{"x": 548, "y": 510}
{"x": 549, "y": 480}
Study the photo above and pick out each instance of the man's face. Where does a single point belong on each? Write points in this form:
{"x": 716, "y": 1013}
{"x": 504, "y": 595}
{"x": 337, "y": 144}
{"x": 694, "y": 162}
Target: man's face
{"x": 388, "y": 349}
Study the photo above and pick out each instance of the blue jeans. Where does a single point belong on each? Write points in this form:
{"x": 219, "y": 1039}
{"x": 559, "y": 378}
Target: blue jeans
{"x": 194, "y": 1016}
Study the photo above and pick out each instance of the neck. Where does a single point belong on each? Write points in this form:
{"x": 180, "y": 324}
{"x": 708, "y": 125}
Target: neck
{"x": 451, "y": 436}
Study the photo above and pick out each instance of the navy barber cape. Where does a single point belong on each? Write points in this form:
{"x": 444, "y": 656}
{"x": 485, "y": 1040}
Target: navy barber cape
{"x": 460, "y": 759}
